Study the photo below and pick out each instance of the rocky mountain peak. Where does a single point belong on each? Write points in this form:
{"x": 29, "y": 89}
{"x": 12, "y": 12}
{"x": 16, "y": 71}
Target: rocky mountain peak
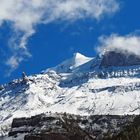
{"x": 118, "y": 58}
{"x": 76, "y": 86}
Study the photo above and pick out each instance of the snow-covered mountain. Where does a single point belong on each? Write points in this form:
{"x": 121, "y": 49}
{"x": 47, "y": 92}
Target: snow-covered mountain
{"x": 106, "y": 84}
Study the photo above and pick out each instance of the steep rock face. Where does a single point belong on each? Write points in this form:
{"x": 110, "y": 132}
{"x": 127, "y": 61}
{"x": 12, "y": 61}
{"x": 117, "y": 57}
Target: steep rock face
{"x": 118, "y": 58}
{"x": 68, "y": 127}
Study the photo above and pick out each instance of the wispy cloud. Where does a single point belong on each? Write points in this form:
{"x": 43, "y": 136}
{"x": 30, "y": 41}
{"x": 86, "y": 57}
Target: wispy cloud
{"x": 128, "y": 43}
{"x": 25, "y": 15}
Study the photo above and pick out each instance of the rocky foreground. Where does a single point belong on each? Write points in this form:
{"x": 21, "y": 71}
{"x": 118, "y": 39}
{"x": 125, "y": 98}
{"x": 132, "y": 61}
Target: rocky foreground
{"x": 74, "y": 127}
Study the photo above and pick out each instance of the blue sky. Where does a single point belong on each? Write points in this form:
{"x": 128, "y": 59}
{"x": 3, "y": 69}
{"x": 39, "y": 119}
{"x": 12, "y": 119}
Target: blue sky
{"x": 54, "y": 41}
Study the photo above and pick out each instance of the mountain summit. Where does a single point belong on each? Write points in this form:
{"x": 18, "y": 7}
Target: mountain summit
{"x": 71, "y": 64}
{"x": 107, "y": 84}
{"x": 119, "y": 58}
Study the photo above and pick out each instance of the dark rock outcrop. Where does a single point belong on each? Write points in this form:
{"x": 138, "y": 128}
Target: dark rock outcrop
{"x": 129, "y": 132}
{"x": 53, "y": 136}
{"x": 69, "y": 127}
{"x": 1, "y": 87}
{"x": 118, "y": 58}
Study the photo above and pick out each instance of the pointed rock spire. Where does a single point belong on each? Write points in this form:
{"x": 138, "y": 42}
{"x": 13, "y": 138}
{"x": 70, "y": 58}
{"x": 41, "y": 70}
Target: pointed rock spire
{"x": 24, "y": 77}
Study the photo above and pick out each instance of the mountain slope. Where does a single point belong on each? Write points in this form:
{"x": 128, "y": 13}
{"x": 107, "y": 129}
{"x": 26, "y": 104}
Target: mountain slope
{"x": 79, "y": 85}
